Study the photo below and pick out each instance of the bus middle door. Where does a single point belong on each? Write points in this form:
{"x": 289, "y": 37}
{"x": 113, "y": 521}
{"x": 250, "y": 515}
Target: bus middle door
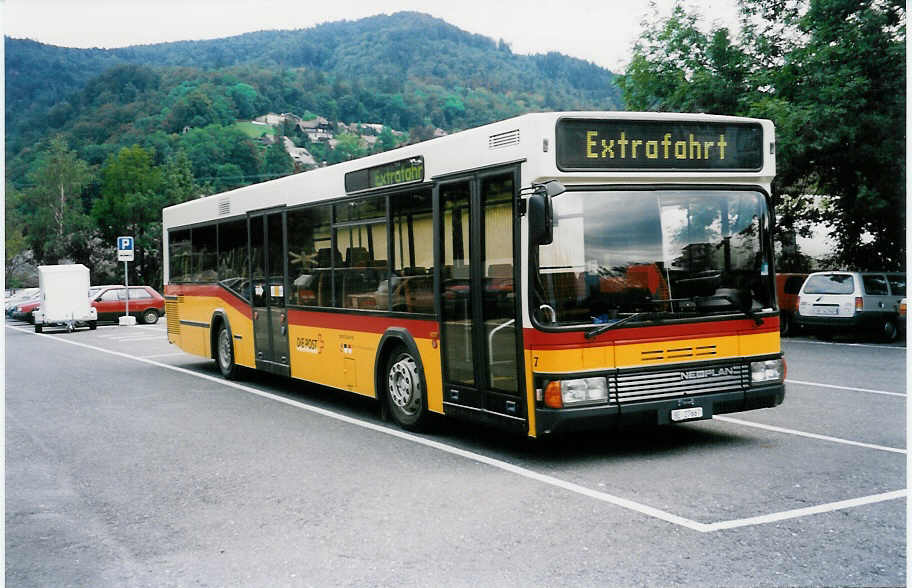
{"x": 268, "y": 274}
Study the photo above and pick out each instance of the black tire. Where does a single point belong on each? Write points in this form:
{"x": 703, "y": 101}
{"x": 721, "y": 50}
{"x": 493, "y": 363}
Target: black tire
{"x": 404, "y": 390}
{"x": 824, "y": 335}
{"x": 889, "y": 332}
{"x": 38, "y": 328}
{"x": 150, "y": 316}
{"x": 93, "y": 325}
{"x": 785, "y": 324}
{"x": 224, "y": 354}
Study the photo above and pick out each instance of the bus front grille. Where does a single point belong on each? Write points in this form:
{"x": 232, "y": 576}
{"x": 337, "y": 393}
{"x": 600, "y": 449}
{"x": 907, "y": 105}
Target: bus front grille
{"x": 688, "y": 380}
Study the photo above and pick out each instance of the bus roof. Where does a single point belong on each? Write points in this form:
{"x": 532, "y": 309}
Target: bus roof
{"x": 530, "y": 139}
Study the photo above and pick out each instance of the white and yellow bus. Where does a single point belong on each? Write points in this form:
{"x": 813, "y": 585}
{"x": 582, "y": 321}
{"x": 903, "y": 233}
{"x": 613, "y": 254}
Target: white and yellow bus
{"x": 550, "y": 272}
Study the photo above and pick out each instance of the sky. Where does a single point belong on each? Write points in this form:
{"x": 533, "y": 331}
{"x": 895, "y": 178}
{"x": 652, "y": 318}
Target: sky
{"x": 600, "y": 31}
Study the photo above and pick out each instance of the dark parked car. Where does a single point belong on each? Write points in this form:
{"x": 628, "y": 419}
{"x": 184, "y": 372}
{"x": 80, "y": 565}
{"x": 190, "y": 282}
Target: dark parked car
{"x": 145, "y": 303}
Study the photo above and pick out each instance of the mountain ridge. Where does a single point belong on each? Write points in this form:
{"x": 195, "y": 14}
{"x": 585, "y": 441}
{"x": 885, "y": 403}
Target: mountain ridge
{"x": 404, "y": 70}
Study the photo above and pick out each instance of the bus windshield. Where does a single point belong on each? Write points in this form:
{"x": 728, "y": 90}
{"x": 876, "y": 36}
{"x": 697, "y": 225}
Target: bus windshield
{"x": 636, "y": 255}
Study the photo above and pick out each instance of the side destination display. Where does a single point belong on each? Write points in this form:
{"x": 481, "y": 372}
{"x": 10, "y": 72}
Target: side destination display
{"x": 389, "y": 174}
{"x": 658, "y": 145}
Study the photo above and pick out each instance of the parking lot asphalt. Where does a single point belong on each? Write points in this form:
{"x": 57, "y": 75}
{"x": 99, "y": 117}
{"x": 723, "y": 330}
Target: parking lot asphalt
{"x": 130, "y": 462}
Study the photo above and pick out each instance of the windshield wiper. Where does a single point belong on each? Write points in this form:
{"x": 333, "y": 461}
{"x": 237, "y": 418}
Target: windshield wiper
{"x": 746, "y": 308}
{"x": 591, "y": 333}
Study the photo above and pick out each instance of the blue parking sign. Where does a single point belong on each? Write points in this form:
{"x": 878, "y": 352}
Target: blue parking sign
{"x": 124, "y": 248}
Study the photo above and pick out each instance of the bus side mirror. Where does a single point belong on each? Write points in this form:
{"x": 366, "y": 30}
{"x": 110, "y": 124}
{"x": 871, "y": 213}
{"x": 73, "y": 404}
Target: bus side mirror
{"x": 541, "y": 212}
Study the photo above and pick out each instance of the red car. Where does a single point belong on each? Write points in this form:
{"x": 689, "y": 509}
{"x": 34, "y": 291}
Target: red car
{"x": 24, "y": 310}
{"x": 787, "y": 287}
{"x": 110, "y": 302}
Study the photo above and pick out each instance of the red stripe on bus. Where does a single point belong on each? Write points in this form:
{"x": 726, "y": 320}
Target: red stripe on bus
{"x": 211, "y": 291}
{"x": 420, "y": 329}
{"x": 535, "y": 339}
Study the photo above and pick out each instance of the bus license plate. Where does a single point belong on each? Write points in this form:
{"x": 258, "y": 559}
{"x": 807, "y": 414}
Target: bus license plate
{"x": 685, "y": 414}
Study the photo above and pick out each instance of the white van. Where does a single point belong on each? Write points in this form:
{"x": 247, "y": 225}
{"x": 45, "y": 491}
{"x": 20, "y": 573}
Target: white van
{"x": 840, "y": 301}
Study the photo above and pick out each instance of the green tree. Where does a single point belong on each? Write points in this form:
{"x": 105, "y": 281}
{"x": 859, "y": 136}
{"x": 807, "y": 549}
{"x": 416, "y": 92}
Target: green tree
{"x": 348, "y": 147}
{"x": 831, "y": 75}
{"x": 56, "y": 225}
{"x": 228, "y": 176}
{"x": 17, "y": 250}
{"x": 245, "y": 99}
{"x": 386, "y": 140}
{"x": 132, "y": 198}
{"x": 178, "y": 183}
{"x": 277, "y": 162}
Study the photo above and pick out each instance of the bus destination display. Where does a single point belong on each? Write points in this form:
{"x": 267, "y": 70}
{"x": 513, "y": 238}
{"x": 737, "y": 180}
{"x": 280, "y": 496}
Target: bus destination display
{"x": 658, "y": 145}
{"x": 399, "y": 172}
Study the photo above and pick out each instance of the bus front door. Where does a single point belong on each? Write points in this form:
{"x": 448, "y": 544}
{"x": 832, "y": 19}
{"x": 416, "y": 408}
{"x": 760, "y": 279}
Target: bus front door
{"x": 270, "y": 326}
{"x": 478, "y": 297}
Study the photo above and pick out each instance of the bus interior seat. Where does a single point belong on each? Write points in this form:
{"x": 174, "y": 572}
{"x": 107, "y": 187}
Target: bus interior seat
{"x": 325, "y": 257}
{"x": 357, "y": 257}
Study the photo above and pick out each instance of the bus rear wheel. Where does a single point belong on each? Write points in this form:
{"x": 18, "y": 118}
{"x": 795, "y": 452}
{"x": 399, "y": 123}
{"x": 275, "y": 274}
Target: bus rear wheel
{"x": 224, "y": 354}
{"x": 405, "y": 395}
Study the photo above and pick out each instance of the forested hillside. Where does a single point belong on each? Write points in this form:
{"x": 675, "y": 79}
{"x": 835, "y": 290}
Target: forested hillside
{"x": 95, "y": 137}
{"x": 403, "y": 70}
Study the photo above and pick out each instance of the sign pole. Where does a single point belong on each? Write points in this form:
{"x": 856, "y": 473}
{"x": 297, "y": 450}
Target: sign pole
{"x": 127, "y": 284}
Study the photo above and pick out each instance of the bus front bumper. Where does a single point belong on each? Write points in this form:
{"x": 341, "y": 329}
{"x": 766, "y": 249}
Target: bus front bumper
{"x": 658, "y": 412}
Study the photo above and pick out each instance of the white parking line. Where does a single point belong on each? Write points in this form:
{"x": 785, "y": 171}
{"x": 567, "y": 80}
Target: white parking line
{"x": 638, "y": 507}
{"x": 903, "y": 348}
{"x": 138, "y": 338}
{"x": 819, "y": 385}
{"x": 160, "y": 328}
{"x": 806, "y": 434}
{"x": 803, "y": 512}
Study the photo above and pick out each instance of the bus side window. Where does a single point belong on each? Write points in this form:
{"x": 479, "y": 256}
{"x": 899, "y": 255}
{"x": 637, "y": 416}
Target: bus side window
{"x": 412, "y": 232}
{"x": 308, "y": 235}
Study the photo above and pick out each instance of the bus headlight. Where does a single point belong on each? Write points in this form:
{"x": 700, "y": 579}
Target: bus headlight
{"x": 582, "y": 391}
{"x": 771, "y": 370}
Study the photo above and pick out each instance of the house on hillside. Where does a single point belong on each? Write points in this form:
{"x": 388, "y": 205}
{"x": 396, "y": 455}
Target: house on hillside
{"x": 270, "y": 119}
{"x": 317, "y": 129}
{"x": 372, "y": 128}
{"x": 302, "y": 157}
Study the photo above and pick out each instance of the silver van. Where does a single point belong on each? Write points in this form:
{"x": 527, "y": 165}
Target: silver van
{"x": 830, "y": 302}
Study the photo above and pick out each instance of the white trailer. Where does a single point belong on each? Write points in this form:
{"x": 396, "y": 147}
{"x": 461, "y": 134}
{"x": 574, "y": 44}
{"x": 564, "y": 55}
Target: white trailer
{"x": 64, "y": 298}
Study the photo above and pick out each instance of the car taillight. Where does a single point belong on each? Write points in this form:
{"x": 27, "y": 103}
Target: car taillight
{"x": 859, "y": 303}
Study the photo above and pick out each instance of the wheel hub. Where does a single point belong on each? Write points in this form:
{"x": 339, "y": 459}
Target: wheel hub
{"x": 224, "y": 349}
{"x": 404, "y": 386}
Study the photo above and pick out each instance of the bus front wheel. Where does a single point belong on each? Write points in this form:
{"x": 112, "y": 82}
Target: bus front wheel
{"x": 404, "y": 393}
{"x": 224, "y": 354}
